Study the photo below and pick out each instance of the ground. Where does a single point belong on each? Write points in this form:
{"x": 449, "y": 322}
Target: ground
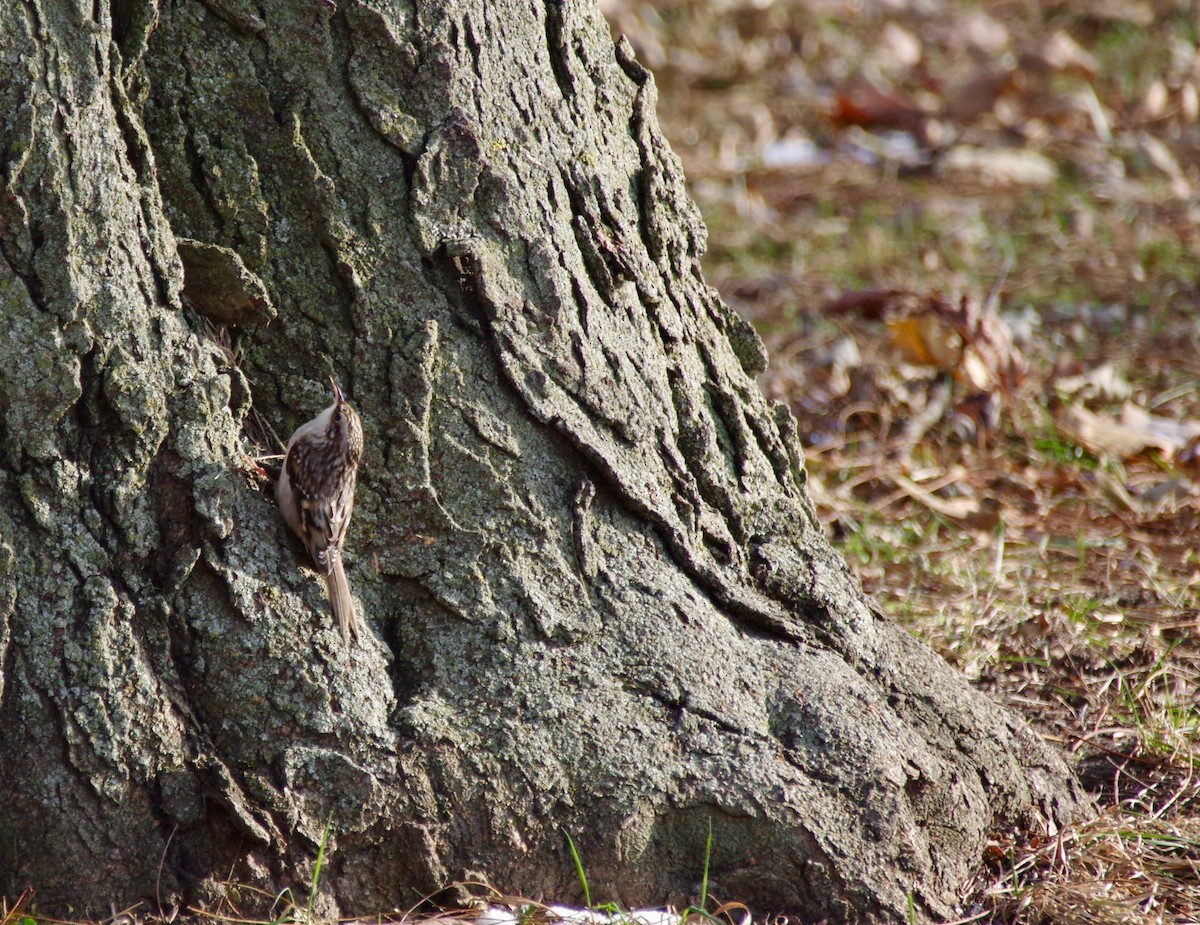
{"x": 1014, "y": 477}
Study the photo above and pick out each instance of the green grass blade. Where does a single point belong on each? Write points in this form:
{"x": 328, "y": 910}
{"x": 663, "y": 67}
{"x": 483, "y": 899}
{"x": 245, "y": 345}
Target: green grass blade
{"x": 707, "y": 859}
{"x": 587, "y": 895}
{"x": 320, "y": 862}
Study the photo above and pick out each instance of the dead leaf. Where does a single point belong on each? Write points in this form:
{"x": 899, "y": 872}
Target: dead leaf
{"x": 968, "y": 340}
{"x": 872, "y": 304}
{"x": 1104, "y": 382}
{"x": 901, "y": 45}
{"x": 1000, "y": 166}
{"x": 928, "y": 340}
{"x": 1189, "y": 101}
{"x": 1102, "y": 434}
{"x": 1154, "y": 103}
{"x": 988, "y": 359}
{"x": 1177, "y": 433}
{"x": 1130, "y": 435}
{"x": 1063, "y": 54}
{"x": 793, "y": 151}
{"x": 843, "y": 356}
{"x": 868, "y": 106}
{"x": 983, "y": 32}
{"x": 1130, "y": 11}
{"x": 978, "y": 95}
{"x": 1161, "y": 157}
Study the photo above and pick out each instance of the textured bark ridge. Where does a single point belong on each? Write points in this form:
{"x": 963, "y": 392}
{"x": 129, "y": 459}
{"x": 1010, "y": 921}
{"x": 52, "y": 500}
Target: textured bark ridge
{"x": 596, "y": 596}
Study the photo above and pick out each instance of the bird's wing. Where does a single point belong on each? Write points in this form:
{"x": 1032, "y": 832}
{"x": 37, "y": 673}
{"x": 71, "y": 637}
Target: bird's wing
{"x": 323, "y": 526}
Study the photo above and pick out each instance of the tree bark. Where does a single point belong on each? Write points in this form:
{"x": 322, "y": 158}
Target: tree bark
{"x": 596, "y": 597}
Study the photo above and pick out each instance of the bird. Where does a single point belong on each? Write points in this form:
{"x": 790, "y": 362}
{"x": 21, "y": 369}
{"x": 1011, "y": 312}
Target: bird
{"x": 315, "y": 494}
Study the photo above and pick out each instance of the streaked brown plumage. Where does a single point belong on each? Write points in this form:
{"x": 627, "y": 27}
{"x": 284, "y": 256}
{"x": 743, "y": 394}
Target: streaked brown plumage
{"x": 315, "y": 494}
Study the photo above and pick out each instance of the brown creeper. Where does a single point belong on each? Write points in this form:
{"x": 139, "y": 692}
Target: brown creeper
{"x": 315, "y": 493}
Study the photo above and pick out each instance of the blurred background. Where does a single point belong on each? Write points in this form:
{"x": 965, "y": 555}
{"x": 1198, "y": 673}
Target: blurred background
{"x": 969, "y": 234}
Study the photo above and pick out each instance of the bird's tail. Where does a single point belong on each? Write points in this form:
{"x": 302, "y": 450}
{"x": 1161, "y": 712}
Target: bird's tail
{"x": 339, "y": 599}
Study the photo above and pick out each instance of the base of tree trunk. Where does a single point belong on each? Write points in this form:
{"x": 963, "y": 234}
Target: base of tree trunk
{"x": 596, "y": 600}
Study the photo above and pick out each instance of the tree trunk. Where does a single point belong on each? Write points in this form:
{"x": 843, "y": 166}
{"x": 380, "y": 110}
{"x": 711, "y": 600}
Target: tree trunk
{"x": 596, "y": 597}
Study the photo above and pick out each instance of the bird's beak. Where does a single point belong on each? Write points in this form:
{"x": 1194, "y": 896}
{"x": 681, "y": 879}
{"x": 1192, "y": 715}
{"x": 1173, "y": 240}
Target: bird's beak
{"x": 338, "y": 397}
